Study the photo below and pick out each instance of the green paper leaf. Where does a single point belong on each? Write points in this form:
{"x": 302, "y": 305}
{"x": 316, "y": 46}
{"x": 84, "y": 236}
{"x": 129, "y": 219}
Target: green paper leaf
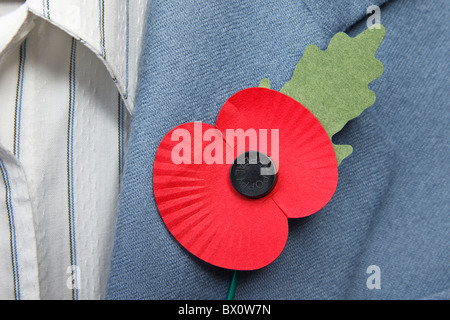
{"x": 333, "y": 84}
{"x": 265, "y": 83}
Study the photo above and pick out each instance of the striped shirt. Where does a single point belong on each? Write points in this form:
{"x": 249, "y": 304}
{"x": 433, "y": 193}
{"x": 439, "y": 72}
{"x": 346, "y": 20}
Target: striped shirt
{"x": 68, "y": 77}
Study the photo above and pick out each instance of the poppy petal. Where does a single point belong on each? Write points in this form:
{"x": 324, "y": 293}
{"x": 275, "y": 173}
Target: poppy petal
{"x": 205, "y": 213}
{"x": 304, "y": 155}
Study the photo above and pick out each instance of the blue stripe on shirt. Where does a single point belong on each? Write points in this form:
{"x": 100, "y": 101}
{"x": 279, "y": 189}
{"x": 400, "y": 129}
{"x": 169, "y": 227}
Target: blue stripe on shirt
{"x": 127, "y": 71}
{"x": 18, "y": 101}
{"x": 46, "y": 8}
{"x": 121, "y": 131}
{"x": 12, "y": 231}
{"x": 101, "y": 4}
{"x": 71, "y": 213}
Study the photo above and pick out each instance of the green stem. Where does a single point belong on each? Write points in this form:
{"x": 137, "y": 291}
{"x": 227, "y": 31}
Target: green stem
{"x": 233, "y": 285}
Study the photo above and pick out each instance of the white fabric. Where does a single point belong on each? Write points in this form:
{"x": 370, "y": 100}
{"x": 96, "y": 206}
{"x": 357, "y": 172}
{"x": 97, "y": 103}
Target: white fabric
{"x": 68, "y": 76}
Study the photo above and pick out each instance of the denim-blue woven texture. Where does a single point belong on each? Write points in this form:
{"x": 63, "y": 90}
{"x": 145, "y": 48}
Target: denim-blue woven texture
{"x": 391, "y": 207}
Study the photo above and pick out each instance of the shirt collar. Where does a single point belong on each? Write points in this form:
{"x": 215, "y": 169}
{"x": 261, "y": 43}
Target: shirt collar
{"x": 112, "y": 29}
{"x": 14, "y": 27}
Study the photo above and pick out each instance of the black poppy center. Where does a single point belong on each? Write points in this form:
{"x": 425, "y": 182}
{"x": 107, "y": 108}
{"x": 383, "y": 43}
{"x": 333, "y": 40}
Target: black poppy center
{"x": 253, "y": 174}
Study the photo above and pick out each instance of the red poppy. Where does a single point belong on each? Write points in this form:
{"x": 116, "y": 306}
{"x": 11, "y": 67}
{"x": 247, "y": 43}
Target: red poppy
{"x": 209, "y": 213}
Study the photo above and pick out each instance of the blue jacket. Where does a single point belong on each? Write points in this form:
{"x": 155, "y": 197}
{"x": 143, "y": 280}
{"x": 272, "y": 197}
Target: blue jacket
{"x": 392, "y": 205}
